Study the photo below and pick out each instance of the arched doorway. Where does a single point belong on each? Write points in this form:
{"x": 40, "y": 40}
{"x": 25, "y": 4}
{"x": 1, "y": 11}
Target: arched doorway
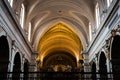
{"x": 93, "y": 71}
{"x": 4, "y": 56}
{"x": 115, "y": 56}
{"x": 59, "y": 59}
{"x": 26, "y": 70}
{"x": 102, "y": 66}
{"x": 17, "y": 67}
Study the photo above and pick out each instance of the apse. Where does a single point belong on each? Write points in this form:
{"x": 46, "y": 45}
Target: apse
{"x": 59, "y": 41}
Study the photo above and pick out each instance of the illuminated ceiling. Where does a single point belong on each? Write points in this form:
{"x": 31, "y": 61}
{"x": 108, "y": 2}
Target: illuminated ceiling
{"x": 44, "y": 13}
{"x": 58, "y": 24}
{"x": 59, "y": 38}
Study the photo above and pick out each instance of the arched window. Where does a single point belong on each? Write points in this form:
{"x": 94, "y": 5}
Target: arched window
{"x": 29, "y": 31}
{"x": 109, "y": 2}
{"x": 22, "y": 15}
{"x": 90, "y": 32}
{"x": 11, "y": 2}
{"x": 97, "y": 12}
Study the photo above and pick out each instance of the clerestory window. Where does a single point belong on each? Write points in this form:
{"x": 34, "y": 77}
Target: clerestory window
{"x": 22, "y": 15}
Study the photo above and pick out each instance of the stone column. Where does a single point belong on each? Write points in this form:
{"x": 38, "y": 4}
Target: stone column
{"x": 33, "y": 63}
{"x": 97, "y": 65}
{"x": 87, "y": 67}
{"x": 11, "y": 63}
{"x": 86, "y": 62}
{"x": 22, "y": 65}
{"x": 107, "y": 50}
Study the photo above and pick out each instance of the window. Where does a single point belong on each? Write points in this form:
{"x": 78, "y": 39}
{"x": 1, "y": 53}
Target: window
{"x": 109, "y": 2}
{"x": 29, "y": 31}
{"x": 22, "y": 15}
{"x": 11, "y": 2}
{"x": 90, "y": 32}
{"x": 97, "y": 15}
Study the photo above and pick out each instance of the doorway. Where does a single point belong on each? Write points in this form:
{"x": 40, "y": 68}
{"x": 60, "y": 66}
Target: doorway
{"x": 93, "y": 71}
{"x": 115, "y": 56}
{"x": 4, "y": 56}
{"x": 16, "y": 67}
{"x": 102, "y": 66}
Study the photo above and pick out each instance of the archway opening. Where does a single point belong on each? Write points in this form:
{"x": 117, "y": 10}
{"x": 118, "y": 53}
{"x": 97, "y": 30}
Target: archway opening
{"x": 4, "y": 56}
{"x": 59, "y": 37}
{"x": 59, "y": 48}
{"x": 115, "y": 56}
{"x": 102, "y": 66}
{"x": 93, "y": 71}
{"x": 17, "y": 67}
{"x": 60, "y": 61}
{"x": 26, "y": 64}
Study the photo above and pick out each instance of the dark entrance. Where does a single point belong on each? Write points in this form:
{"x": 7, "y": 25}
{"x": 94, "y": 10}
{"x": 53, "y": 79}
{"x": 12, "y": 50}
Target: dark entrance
{"x": 16, "y": 67}
{"x": 115, "y": 56}
{"x": 26, "y": 70}
{"x": 93, "y": 71}
{"x": 103, "y": 66}
{"x": 4, "y": 56}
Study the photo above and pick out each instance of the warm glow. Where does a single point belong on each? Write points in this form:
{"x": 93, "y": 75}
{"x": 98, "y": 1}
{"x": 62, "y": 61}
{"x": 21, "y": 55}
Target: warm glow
{"x": 59, "y": 38}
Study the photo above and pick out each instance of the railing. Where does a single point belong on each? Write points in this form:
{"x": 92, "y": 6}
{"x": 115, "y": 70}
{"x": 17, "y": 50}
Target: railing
{"x": 58, "y": 76}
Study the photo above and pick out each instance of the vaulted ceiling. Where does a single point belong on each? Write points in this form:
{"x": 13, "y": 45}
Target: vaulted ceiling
{"x": 59, "y": 24}
{"x": 45, "y": 13}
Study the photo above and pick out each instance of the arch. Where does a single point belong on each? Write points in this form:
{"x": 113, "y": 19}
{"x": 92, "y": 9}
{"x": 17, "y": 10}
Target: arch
{"x": 93, "y": 77}
{"x": 26, "y": 64}
{"x": 102, "y": 66}
{"x": 17, "y": 67}
{"x": 59, "y": 36}
{"x": 63, "y": 21}
{"x": 115, "y": 56}
{"x": 4, "y": 56}
{"x": 57, "y": 58}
